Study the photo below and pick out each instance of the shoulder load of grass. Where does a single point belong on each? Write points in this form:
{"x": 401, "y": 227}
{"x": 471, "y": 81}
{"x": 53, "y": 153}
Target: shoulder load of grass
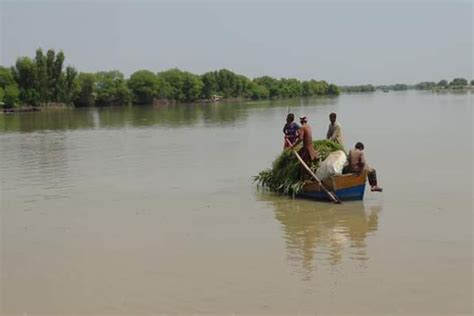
{"x": 284, "y": 176}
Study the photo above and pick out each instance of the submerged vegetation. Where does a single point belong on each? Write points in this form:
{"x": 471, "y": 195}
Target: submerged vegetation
{"x": 285, "y": 175}
{"x": 44, "y": 80}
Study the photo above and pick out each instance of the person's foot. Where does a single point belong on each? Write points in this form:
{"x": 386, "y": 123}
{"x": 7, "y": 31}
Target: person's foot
{"x": 376, "y": 189}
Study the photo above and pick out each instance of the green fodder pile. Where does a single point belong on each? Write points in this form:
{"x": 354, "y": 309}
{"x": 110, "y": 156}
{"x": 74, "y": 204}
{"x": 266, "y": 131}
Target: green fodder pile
{"x": 284, "y": 176}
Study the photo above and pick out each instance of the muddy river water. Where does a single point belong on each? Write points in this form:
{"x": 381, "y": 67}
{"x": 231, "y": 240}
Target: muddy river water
{"x": 152, "y": 210}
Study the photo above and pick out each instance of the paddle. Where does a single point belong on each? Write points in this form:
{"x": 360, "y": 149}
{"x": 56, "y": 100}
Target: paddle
{"x": 331, "y": 195}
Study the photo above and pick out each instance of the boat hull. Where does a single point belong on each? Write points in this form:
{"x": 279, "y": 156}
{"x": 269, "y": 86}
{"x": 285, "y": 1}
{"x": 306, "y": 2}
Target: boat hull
{"x": 347, "y": 187}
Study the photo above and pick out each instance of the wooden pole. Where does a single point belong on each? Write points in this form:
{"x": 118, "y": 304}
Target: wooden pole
{"x": 331, "y": 195}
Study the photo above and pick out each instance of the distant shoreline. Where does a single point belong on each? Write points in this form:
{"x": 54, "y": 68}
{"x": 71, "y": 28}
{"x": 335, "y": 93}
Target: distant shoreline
{"x": 371, "y": 89}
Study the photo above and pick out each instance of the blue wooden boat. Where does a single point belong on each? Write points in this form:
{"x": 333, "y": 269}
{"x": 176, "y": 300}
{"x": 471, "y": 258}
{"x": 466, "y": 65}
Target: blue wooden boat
{"x": 347, "y": 187}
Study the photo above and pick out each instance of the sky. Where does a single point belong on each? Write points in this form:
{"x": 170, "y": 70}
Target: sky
{"x": 344, "y": 42}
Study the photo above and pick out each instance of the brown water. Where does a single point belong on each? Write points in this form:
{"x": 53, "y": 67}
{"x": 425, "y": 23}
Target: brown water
{"x": 148, "y": 210}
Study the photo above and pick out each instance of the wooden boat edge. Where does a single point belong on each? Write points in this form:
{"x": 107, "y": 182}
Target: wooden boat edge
{"x": 347, "y": 187}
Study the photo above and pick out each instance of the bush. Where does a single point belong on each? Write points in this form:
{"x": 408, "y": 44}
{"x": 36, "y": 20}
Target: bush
{"x": 284, "y": 176}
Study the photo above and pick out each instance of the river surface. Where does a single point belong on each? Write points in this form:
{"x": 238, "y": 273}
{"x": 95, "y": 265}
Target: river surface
{"x": 152, "y": 210}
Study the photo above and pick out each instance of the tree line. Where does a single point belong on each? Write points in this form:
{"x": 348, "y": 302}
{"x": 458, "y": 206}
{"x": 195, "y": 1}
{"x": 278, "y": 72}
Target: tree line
{"x": 45, "y": 79}
{"x": 358, "y": 88}
{"x": 455, "y": 84}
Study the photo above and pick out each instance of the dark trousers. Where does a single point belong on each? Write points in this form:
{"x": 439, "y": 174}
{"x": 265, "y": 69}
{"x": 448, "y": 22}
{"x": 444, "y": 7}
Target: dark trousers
{"x": 304, "y": 154}
{"x": 371, "y": 174}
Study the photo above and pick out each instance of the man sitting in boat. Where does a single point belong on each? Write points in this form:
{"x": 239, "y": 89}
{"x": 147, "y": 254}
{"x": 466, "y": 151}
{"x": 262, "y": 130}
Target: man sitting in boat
{"x": 358, "y": 164}
{"x": 307, "y": 152}
{"x": 290, "y": 130}
{"x": 334, "y": 130}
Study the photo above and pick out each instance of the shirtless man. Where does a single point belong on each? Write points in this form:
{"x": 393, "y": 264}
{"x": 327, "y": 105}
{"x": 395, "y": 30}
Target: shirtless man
{"x": 358, "y": 164}
{"x": 307, "y": 152}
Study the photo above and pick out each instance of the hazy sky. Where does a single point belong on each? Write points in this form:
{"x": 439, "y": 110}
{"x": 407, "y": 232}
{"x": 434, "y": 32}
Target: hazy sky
{"x": 346, "y": 42}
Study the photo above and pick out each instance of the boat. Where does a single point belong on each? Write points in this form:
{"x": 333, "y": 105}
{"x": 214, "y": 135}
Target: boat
{"x": 347, "y": 187}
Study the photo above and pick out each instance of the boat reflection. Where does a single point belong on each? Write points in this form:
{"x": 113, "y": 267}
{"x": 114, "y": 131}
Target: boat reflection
{"x": 323, "y": 234}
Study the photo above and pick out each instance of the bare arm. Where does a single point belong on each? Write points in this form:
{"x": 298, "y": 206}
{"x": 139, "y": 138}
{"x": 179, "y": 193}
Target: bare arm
{"x": 328, "y": 134}
{"x": 334, "y": 134}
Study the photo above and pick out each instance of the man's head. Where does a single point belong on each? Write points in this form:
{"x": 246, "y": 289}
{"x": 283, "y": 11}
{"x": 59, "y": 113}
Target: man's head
{"x": 359, "y": 146}
{"x": 332, "y": 117}
{"x": 303, "y": 119}
{"x": 290, "y": 117}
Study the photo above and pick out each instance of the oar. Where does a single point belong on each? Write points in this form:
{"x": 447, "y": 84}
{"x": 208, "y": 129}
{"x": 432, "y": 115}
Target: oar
{"x": 331, "y": 195}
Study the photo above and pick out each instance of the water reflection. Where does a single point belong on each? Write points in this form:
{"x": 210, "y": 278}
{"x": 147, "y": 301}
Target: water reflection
{"x": 319, "y": 234}
{"x": 171, "y": 115}
{"x": 36, "y": 168}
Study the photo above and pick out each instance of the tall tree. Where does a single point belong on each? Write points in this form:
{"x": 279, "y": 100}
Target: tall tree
{"x": 56, "y": 74}
{"x": 180, "y": 85}
{"x": 24, "y": 72}
{"x": 68, "y": 85}
{"x": 144, "y": 86}
{"x": 111, "y": 88}
{"x": 86, "y": 94}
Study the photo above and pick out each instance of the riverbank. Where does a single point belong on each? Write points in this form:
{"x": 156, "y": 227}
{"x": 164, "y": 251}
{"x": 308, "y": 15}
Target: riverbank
{"x": 52, "y": 106}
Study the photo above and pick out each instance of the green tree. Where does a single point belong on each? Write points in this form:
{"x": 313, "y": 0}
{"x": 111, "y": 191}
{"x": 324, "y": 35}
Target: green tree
{"x": 41, "y": 83}
{"x": 314, "y": 88}
{"x": 111, "y": 88}
{"x": 209, "y": 85}
{"x": 359, "y": 88}
{"x": 6, "y": 77}
{"x": 427, "y": 85}
{"x": 290, "y": 88}
{"x": 258, "y": 92}
{"x": 271, "y": 85}
{"x": 400, "y": 87}
{"x": 226, "y": 83}
{"x": 39, "y": 79}
{"x": 86, "y": 94}
{"x": 24, "y": 73}
{"x": 9, "y": 92}
{"x": 56, "y": 76}
{"x": 333, "y": 89}
{"x": 442, "y": 83}
{"x": 192, "y": 86}
{"x": 180, "y": 85}
{"x": 11, "y": 95}
{"x": 458, "y": 83}
{"x": 144, "y": 86}
{"x": 68, "y": 85}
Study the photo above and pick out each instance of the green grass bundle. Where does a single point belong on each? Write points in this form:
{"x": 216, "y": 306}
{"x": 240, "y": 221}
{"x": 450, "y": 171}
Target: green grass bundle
{"x": 284, "y": 176}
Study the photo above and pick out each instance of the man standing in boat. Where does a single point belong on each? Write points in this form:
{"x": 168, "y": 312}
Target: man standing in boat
{"x": 358, "y": 164}
{"x": 334, "y": 130}
{"x": 307, "y": 152}
{"x": 290, "y": 130}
